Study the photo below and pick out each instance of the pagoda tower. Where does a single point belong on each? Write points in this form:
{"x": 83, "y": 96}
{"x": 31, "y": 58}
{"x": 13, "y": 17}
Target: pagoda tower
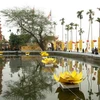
{"x": 1, "y": 37}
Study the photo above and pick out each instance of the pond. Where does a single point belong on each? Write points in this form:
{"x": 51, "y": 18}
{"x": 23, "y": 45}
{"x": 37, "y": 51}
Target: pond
{"x": 26, "y": 78}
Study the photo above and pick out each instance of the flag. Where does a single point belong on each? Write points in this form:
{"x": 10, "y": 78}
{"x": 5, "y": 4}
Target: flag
{"x": 49, "y": 15}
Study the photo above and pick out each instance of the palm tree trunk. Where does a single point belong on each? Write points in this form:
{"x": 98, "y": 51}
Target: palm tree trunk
{"x": 91, "y": 32}
{"x": 62, "y": 34}
{"x": 76, "y": 44}
{"x": 99, "y": 40}
{"x": 76, "y": 35}
{"x": 68, "y": 40}
{"x": 71, "y": 46}
{"x": 71, "y": 36}
{"x": 88, "y": 36}
{"x": 54, "y": 30}
{"x": 99, "y": 29}
{"x": 92, "y": 43}
{"x": 80, "y": 29}
{"x": 67, "y": 36}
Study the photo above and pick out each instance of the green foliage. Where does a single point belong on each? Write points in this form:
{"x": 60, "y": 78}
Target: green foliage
{"x": 98, "y": 20}
{"x": 62, "y": 21}
{"x": 91, "y": 14}
{"x": 16, "y": 41}
{"x": 24, "y": 38}
{"x": 79, "y": 14}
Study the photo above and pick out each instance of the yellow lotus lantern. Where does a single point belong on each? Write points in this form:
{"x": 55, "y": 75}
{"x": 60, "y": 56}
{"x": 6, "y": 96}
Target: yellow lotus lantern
{"x": 49, "y": 61}
{"x": 69, "y": 78}
{"x": 44, "y": 54}
{"x": 27, "y": 53}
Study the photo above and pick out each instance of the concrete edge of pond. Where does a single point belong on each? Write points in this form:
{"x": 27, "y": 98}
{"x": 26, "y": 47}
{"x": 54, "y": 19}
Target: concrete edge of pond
{"x": 86, "y": 57}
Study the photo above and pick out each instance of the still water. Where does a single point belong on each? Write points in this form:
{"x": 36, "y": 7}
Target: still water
{"x": 26, "y": 78}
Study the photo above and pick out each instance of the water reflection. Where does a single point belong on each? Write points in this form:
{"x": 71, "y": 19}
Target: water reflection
{"x": 90, "y": 85}
{"x": 26, "y": 78}
{"x": 31, "y": 84}
{"x": 74, "y": 94}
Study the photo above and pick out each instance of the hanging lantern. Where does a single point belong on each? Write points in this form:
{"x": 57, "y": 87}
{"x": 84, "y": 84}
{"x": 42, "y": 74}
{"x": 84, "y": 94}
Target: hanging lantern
{"x": 94, "y": 40}
{"x": 87, "y": 41}
{"x": 77, "y": 42}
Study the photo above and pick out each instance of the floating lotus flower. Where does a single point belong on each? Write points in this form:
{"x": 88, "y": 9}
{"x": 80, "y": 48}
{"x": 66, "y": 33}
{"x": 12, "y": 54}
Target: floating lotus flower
{"x": 27, "y": 53}
{"x": 69, "y": 78}
{"x": 44, "y": 54}
{"x": 49, "y": 61}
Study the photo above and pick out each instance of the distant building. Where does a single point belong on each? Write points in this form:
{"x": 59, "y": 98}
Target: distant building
{"x": 4, "y": 44}
{"x": 1, "y": 36}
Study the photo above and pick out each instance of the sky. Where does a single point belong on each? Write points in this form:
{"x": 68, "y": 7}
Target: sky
{"x": 60, "y": 9}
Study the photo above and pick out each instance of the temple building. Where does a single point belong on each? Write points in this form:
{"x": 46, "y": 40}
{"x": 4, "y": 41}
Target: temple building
{"x": 4, "y": 44}
{"x": 1, "y": 36}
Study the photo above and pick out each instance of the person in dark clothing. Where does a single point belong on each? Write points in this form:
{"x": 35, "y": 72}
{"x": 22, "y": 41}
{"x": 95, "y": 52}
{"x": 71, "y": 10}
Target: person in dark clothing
{"x": 83, "y": 50}
{"x": 77, "y": 49}
{"x": 96, "y": 50}
{"x": 52, "y": 46}
{"x": 93, "y": 50}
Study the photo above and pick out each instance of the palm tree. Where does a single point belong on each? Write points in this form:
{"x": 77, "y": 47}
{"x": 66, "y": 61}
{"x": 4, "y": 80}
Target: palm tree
{"x": 71, "y": 28}
{"x": 76, "y": 25}
{"x": 62, "y": 23}
{"x": 54, "y": 23}
{"x": 80, "y": 43}
{"x": 80, "y": 16}
{"x": 98, "y": 20}
{"x": 67, "y": 28}
{"x": 71, "y": 35}
{"x": 91, "y": 14}
{"x": 98, "y": 9}
{"x": 81, "y": 31}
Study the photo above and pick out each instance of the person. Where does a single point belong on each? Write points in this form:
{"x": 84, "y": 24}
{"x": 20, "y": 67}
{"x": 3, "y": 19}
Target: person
{"x": 96, "y": 50}
{"x": 52, "y": 46}
{"x": 65, "y": 49}
{"x": 86, "y": 50}
{"x": 92, "y": 50}
{"x": 83, "y": 50}
{"x": 77, "y": 49}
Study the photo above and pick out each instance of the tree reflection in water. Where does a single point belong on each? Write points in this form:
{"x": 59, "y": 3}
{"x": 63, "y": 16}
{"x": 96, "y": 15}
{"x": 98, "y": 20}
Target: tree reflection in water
{"x": 70, "y": 94}
{"x": 31, "y": 85}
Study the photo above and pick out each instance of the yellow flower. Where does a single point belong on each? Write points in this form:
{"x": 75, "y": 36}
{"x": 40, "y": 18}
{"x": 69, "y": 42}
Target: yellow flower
{"x": 44, "y": 54}
{"x": 67, "y": 77}
{"x": 49, "y": 61}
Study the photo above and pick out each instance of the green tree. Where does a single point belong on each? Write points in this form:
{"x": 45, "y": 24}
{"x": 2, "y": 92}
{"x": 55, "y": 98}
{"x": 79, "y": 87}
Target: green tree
{"x": 31, "y": 21}
{"x": 67, "y": 28}
{"x": 80, "y": 16}
{"x": 98, "y": 20}
{"x": 71, "y": 30}
{"x": 76, "y": 44}
{"x": 14, "y": 41}
{"x": 71, "y": 35}
{"x": 91, "y": 14}
{"x": 62, "y": 23}
{"x": 76, "y": 25}
{"x": 24, "y": 39}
